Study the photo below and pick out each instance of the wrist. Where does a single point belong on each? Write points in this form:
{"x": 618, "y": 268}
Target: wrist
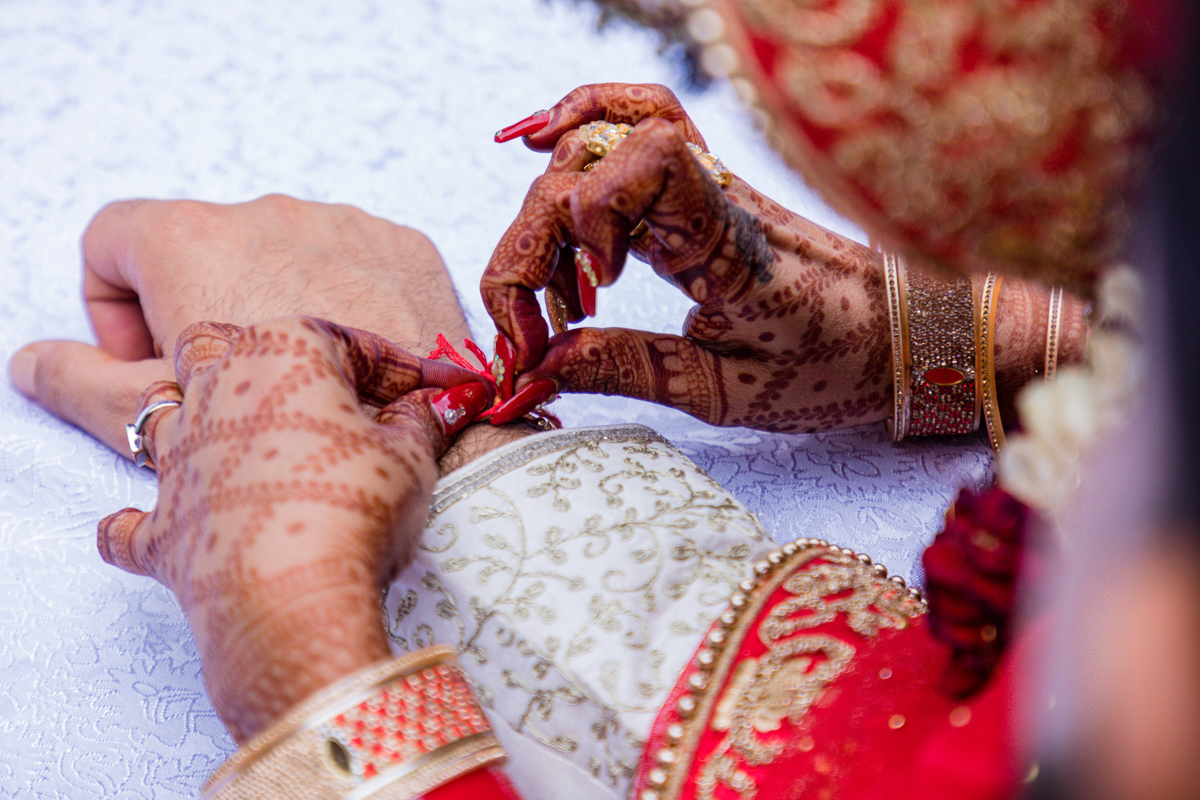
{"x": 399, "y": 727}
{"x": 1022, "y": 318}
{"x": 266, "y": 647}
{"x": 479, "y": 439}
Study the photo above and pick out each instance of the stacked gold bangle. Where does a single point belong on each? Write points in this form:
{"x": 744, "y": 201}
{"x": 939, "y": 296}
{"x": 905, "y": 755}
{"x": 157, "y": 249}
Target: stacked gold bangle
{"x": 394, "y": 730}
{"x": 1053, "y": 328}
{"x": 898, "y": 424}
{"x": 985, "y": 354}
{"x": 943, "y": 340}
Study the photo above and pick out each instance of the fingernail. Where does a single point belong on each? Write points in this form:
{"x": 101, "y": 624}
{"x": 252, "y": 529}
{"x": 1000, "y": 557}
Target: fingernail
{"x": 503, "y": 366}
{"x": 535, "y": 394}
{"x": 21, "y": 370}
{"x": 588, "y": 279}
{"x": 459, "y": 406}
{"x": 531, "y": 124}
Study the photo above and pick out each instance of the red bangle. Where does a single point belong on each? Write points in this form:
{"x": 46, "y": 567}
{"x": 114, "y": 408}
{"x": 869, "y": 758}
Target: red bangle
{"x": 488, "y": 783}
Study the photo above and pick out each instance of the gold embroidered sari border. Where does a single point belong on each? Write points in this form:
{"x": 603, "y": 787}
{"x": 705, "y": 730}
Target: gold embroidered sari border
{"x": 466, "y": 481}
{"x": 718, "y": 657}
{"x": 753, "y": 595}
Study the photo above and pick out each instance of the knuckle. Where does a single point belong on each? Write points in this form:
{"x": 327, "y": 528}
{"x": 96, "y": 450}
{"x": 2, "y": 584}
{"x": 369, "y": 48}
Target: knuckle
{"x": 281, "y": 204}
{"x": 184, "y": 220}
{"x": 663, "y": 94}
{"x": 660, "y": 133}
{"x": 415, "y": 243}
{"x": 106, "y": 215}
{"x": 549, "y": 187}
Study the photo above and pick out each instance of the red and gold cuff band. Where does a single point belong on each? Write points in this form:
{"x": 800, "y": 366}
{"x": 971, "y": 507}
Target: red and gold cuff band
{"x": 934, "y": 354}
{"x": 942, "y": 391}
{"x": 394, "y": 730}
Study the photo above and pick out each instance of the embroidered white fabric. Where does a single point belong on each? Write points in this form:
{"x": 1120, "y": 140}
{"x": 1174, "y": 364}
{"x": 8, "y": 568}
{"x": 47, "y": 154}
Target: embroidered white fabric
{"x": 387, "y": 105}
{"x": 576, "y": 572}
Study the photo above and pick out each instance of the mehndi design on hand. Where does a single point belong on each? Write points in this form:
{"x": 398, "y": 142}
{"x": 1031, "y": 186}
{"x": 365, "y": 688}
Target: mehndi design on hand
{"x": 282, "y": 509}
{"x": 789, "y": 330}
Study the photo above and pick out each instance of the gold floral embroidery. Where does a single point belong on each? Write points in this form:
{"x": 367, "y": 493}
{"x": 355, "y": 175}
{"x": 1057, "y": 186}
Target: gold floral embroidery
{"x": 745, "y": 698}
{"x": 815, "y": 22}
{"x": 968, "y": 162}
{"x": 584, "y": 579}
{"x": 826, "y": 590}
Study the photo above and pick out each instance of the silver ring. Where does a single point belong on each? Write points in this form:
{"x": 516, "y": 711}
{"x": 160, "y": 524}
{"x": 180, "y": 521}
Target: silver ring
{"x": 133, "y": 430}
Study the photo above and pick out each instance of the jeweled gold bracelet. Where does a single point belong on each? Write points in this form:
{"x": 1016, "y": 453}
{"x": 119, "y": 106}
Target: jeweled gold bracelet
{"x": 985, "y": 355}
{"x": 943, "y": 394}
{"x": 893, "y": 279}
{"x": 393, "y": 730}
{"x": 1053, "y": 326}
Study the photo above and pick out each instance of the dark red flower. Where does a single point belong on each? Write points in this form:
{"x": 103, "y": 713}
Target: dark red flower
{"x": 971, "y": 572}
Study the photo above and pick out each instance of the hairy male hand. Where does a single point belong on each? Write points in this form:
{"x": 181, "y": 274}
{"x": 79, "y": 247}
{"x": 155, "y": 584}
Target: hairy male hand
{"x": 152, "y": 268}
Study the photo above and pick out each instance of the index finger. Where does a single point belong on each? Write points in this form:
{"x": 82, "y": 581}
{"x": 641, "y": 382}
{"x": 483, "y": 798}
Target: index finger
{"x": 110, "y": 291}
{"x": 614, "y": 102}
{"x": 378, "y": 370}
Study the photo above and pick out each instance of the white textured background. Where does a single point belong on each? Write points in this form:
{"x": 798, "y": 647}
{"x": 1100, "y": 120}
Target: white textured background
{"x": 387, "y": 105}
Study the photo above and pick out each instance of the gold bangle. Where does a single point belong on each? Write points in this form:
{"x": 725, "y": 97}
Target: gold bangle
{"x": 898, "y": 424}
{"x": 393, "y": 730}
{"x": 943, "y": 395}
{"x": 985, "y": 358}
{"x": 1053, "y": 326}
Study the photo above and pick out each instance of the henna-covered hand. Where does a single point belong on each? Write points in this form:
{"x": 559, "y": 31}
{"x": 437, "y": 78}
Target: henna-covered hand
{"x": 151, "y": 268}
{"x": 282, "y": 509}
{"x": 790, "y": 328}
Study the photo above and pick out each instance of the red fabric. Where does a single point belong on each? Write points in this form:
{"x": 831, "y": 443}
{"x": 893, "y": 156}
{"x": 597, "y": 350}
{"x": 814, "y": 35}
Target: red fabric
{"x": 883, "y": 727}
{"x": 901, "y": 123}
{"x": 488, "y": 783}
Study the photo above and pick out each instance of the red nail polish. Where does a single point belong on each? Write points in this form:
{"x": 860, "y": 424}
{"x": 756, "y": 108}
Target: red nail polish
{"x": 504, "y": 366}
{"x": 538, "y": 393}
{"x": 459, "y": 406}
{"x": 588, "y": 279}
{"x": 531, "y": 124}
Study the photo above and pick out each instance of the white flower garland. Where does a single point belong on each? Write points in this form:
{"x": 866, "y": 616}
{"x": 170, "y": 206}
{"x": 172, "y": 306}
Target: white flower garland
{"x": 1063, "y": 420}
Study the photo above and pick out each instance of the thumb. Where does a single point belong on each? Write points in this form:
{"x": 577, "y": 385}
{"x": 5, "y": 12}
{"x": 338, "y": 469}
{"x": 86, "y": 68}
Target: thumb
{"x": 669, "y": 370}
{"x": 121, "y": 540}
{"x": 85, "y": 386}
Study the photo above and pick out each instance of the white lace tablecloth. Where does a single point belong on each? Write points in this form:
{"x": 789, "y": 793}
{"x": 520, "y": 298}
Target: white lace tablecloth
{"x": 387, "y": 105}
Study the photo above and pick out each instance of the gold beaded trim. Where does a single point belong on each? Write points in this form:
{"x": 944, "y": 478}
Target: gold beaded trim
{"x": 1053, "y": 326}
{"x": 602, "y": 138}
{"x": 985, "y": 356}
{"x": 717, "y": 656}
{"x": 898, "y": 424}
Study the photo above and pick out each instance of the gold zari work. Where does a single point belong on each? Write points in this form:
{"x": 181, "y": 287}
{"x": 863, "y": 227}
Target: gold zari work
{"x": 743, "y": 698}
{"x": 1019, "y": 159}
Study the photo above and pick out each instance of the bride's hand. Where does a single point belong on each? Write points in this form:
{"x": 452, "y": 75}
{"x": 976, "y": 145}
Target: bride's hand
{"x": 282, "y": 509}
{"x": 790, "y": 328}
